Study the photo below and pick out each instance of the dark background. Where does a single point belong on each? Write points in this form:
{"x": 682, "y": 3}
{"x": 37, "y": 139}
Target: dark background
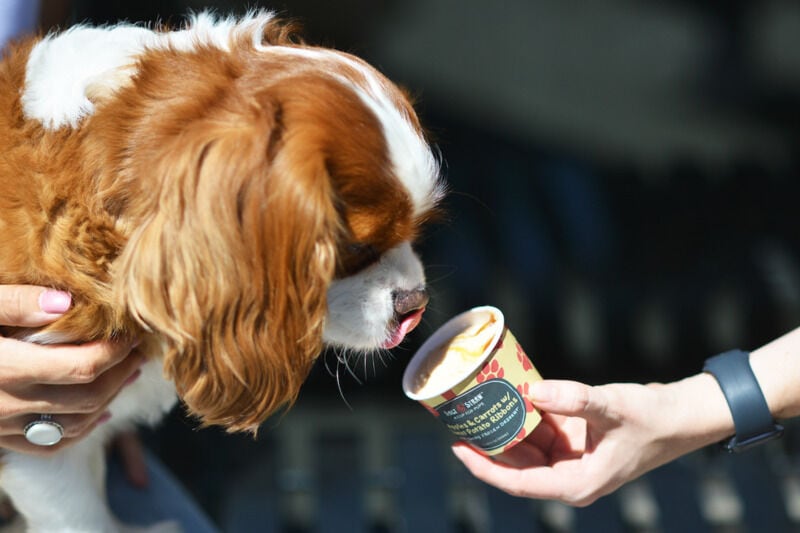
{"x": 623, "y": 175}
{"x": 624, "y": 185}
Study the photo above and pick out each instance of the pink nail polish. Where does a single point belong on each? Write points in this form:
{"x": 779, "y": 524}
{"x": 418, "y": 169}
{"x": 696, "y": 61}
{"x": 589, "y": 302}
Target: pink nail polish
{"x": 105, "y": 417}
{"x": 55, "y": 302}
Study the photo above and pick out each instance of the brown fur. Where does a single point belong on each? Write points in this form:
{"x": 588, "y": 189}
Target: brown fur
{"x": 205, "y": 206}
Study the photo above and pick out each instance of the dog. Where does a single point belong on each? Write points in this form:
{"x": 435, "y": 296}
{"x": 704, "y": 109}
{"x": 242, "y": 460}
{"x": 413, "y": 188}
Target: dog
{"x": 231, "y": 198}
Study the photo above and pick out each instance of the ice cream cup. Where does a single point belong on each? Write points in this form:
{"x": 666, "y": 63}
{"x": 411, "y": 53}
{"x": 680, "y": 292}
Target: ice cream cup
{"x": 483, "y": 398}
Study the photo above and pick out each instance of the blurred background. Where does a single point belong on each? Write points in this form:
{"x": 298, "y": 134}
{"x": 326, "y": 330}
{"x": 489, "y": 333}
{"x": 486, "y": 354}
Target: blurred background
{"x": 623, "y": 185}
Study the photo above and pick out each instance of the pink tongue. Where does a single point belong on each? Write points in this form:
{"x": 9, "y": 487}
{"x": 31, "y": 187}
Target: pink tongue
{"x": 409, "y": 322}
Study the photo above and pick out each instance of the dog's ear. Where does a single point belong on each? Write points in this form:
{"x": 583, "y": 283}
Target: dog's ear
{"x": 232, "y": 266}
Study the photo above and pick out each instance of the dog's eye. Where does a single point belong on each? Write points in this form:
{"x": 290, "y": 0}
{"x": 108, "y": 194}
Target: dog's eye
{"x": 362, "y": 250}
{"x": 357, "y": 256}
{"x": 356, "y": 248}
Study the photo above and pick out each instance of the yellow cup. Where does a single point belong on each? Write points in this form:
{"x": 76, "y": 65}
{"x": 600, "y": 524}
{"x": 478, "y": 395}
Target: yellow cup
{"x": 484, "y": 398}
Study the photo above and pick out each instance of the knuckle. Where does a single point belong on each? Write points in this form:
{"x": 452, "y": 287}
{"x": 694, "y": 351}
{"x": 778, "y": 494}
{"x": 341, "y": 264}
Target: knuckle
{"x": 582, "y": 501}
{"x": 90, "y": 404}
{"x": 10, "y": 410}
{"x": 77, "y": 428}
{"x": 12, "y": 308}
{"x": 515, "y": 491}
{"x": 582, "y": 498}
{"x": 86, "y": 371}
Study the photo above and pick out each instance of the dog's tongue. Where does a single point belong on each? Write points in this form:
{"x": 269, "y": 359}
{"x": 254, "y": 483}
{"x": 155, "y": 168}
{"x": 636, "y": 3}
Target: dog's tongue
{"x": 407, "y": 323}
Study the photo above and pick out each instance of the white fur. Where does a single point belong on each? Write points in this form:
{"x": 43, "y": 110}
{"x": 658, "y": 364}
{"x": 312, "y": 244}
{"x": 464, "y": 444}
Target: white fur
{"x": 360, "y": 307}
{"x": 414, "y": 163}
{"x": 61, "y": 67}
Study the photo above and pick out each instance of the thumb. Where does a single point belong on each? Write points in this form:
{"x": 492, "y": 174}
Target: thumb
{"x": 569, "y": 398}
{"x": 26, "y": 305}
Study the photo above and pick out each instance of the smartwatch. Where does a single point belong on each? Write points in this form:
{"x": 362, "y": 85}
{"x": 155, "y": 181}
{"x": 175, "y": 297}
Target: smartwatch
{"x": 751, "y": 417}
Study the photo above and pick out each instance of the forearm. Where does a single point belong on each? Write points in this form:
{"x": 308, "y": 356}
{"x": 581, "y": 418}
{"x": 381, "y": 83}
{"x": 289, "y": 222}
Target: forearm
{"x": 777, "y": 369}
{"x": 701, "y": 415}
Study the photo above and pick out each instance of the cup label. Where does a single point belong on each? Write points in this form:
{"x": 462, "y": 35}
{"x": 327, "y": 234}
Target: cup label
{"x": 489, "y": 416}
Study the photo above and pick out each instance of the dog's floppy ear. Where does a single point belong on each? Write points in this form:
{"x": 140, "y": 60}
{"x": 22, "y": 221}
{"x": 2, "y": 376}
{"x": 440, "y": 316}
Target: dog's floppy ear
{"x": 233, "y": 265}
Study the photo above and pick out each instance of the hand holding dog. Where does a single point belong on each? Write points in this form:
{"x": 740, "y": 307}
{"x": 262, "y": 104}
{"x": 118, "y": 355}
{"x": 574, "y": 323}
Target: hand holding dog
{"x": 75, "y": 383}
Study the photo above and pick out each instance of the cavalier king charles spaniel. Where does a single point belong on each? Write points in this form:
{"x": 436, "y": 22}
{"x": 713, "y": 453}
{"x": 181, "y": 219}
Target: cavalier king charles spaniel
{"x": 229, "y": 196}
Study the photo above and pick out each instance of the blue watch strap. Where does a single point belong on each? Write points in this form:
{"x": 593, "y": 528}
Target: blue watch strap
{"x": 751, "y": 417}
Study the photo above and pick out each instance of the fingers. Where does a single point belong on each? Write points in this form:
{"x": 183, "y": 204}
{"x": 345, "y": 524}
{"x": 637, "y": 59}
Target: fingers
{"x": 572, "y": 486}
{"x": 74, "y": 425}
{"x": 30, "y": 306}
{"x": 72, "y": 434}
{"x": 524, "y": 454}
{"x": 75, "y": 383}
{"x": 569, "y": 398}
{"x": 24, "y": 362}
{"x": 507, "y": 478}
{"x": 74, "y": 398}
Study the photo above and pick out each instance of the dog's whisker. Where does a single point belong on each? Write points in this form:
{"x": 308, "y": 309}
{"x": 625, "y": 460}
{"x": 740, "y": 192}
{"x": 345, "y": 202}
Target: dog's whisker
{"x": 327, "y": 366}
{"x": 339, "y": 386}
{"x": 355, "y": 376}
{"x": 381, "y": 354}
{"x": 452, "y": 269}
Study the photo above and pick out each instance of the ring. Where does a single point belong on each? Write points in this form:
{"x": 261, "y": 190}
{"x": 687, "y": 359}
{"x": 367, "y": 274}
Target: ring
{"x": 44, "y": 431}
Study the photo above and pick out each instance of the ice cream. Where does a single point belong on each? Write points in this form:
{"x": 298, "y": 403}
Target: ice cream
{"x": 474, "y": 377}
{"x": 456, "y": 358}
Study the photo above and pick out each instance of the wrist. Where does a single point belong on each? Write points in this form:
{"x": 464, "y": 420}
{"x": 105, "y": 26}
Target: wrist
{"x": 752, "y": 419}
{"x": 777, "y": 369}
{"x": 701, "y": 413}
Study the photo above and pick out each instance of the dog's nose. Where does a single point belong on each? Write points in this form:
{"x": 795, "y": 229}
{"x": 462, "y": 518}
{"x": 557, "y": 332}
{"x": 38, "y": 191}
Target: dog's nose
{"x": 407, "y": 301}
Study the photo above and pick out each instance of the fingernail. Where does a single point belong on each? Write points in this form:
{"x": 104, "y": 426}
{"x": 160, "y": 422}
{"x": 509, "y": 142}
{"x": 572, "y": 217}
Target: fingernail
{"x": 133, "y": 377}
{"x": 55, "y": 302}
{"x": 105, "y": 417}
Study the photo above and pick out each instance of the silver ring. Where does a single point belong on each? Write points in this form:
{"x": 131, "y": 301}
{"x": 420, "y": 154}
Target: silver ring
{"x": 44, "y": 431}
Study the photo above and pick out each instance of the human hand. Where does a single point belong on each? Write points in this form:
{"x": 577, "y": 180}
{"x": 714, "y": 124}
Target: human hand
{"x": 74, "y": 383}
{"x": 592, "y": 440}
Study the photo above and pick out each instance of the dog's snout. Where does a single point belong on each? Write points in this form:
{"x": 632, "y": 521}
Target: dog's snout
{"x": 407, "y": 301}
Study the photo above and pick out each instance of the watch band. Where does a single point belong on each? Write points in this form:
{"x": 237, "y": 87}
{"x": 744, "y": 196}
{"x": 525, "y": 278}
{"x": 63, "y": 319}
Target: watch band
{"x": 751, "y": 417}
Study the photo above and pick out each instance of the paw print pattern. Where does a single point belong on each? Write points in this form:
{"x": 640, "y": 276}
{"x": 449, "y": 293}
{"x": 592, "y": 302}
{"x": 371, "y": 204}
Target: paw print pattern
{"x": 523, "y": 359}
{"x": 491, "y": 371}
{"x": 431, "y": 410}
{"x": 524, "y": 390}
{"x": 520, "y": 436}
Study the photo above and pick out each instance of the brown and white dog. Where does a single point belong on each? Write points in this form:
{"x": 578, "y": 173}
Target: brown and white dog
{"x": 231, "y": 197}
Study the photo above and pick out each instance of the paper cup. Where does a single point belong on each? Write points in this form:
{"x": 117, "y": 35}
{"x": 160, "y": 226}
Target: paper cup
{"x": 484, "y": 401}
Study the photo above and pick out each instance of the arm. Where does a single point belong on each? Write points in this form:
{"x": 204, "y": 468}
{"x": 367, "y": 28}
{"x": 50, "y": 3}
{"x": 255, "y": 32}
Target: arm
{"x": 595, "y": 439}
{"x": 777, "y": 369}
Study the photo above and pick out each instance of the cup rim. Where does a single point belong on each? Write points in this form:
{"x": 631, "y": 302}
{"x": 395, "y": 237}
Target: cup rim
{"x": 446, "y": 331}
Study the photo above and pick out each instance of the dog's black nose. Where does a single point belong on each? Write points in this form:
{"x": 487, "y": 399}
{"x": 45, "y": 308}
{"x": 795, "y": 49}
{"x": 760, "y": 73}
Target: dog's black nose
{"x": 407, "y": 301}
